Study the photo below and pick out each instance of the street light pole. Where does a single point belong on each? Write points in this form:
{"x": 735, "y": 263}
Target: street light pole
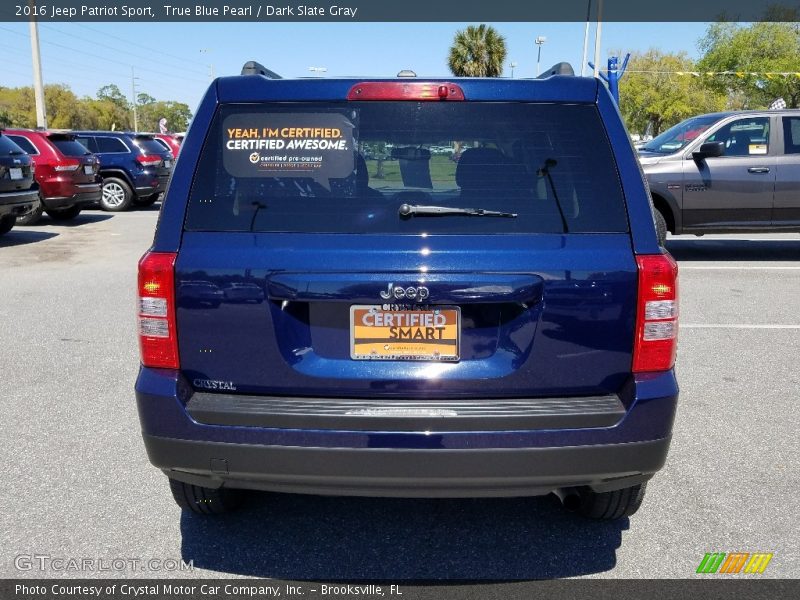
{"x": 597, "y": 36}
{"x": 540, "y": 41}
{"x": 38, "y": 86}
{"x": 513, "y": 66}
{"x": 586, "y": 38}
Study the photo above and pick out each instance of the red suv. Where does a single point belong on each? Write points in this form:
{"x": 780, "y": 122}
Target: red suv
{"x": 67, "y": 173}
{"x": 169, "y": 141}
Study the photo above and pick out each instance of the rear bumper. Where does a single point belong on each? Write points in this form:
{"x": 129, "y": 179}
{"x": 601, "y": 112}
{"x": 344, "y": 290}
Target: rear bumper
{"x": 532, "y": 456}
{"x": 163, "y": 180}
{"x": 79, "y": 195}
{"x": 146, "y": 190}
{"x": 407, "y": 473}
{"x": 149, "y": 184}
{"x": 19, "y": 203}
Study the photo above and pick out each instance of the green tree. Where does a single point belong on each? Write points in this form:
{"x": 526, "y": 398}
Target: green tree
{"x": 112, "y": 93}
{"x": 64, "y": 109}
{"x": 653, "y": 96}
{"x": 18, "y": 106}
{"x": 144, "y": 98}
{"x": 109, "y": 115}
{"x": 109, "y": 110}
{"x": 477, "y": 51}
{"x": 177, "y": 115}
{"x": 757, "y": 48}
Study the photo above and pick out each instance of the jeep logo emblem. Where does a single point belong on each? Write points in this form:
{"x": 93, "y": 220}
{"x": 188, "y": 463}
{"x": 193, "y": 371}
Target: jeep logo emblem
{"x": 410, "y": 293}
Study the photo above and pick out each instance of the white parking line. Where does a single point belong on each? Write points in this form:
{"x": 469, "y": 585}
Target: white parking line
{"x": 683, "y": 267}
{"x": 726, "y": 237}
{"x": 736, "y": 326}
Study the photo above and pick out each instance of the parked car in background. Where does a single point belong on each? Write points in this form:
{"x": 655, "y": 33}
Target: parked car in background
{"x": 19, "y": 194}
{"x": 307, "y": 326}
{"x": 67, "y": 173}
{"x": 727, "y": 172}
{"x": 170, "y": 142}
{"x": 135, "y": 168}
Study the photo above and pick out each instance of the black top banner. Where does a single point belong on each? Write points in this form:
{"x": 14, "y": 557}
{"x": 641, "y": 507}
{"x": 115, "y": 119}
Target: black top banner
{"x": 149, "y": 11}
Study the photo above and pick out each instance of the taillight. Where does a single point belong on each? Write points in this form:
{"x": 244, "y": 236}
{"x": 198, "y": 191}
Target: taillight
{"x": 67, "y": 165}
{"x": 158, "y": 340}
{"x": 149, "y": 160}
{"x": 657, "y": 314}
{"x": 405, "y": 90}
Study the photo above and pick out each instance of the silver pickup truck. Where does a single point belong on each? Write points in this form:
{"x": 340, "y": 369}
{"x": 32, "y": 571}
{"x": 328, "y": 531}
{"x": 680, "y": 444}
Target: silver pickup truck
{"x": 726, "y": 172}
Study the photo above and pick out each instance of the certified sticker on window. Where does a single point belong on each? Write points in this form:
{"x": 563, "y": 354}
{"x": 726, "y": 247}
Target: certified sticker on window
{"x": 378, "y": 333}
{"x": 319, "y": 146}
{"x": 757, "y": 148}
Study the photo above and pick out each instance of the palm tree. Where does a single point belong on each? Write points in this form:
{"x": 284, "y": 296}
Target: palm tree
{"x": 477, "y": 52}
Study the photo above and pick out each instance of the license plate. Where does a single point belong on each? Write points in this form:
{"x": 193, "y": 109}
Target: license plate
{"x": 168, "y": 164}
{"x": 15, "y": 173}
{"x": 431, "y": 334}
{"x": 88, "y": 169}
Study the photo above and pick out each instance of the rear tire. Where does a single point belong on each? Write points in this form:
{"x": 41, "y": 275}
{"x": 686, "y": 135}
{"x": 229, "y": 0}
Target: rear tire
{"x": 203, "y": 500}
{"x": 64, "y": 214}
{"x": 611, "y": 505}
{"x": 117, "y": 195}
{"x": 661, "y": 227}
{"x": 7, "y": 222}
{"x": 32, "y": 217}
{"x": 147, "y": 200}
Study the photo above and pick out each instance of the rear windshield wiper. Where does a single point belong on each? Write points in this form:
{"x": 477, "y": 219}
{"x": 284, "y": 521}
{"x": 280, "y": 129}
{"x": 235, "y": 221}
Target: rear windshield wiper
{"x": 545, "y": 172}
{"x": 408, "y": 210}
{"x": 257, "y": 206}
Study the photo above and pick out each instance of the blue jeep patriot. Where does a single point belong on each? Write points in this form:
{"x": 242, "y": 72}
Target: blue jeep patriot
{"x": 404, "y": 287}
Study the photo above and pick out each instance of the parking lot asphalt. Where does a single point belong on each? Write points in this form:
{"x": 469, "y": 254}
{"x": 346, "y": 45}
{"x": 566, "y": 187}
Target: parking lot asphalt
{"x": 77, "y": 482}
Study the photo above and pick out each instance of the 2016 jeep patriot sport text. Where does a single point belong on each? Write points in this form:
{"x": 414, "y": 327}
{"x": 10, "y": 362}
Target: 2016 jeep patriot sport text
{"x": 482, "y": 308}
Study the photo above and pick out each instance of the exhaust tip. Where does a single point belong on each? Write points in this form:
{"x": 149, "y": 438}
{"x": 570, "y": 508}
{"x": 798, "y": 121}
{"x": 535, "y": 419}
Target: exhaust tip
{"x": 570, "y": 498}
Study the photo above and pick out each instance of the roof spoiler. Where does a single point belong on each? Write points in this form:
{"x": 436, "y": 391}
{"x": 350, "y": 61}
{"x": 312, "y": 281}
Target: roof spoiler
{"x": 562, "y": 68}
{"x": 251, "y": 67}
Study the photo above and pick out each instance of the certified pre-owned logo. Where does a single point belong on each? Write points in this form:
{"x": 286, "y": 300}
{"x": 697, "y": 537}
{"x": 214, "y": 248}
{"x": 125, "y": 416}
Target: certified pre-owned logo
{"x": 409, "y": 293}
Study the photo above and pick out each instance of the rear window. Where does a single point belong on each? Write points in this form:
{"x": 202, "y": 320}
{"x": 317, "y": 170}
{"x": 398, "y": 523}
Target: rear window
{"x": 110, "y": 144}
{"x": 68, "y": 146}
{"x": 164, "y": 146}
{"x": 7, "y": 146}
{"x": 149, "y": 145}
{"x": 349, "y": 167}
{"x": 23, "y": 143}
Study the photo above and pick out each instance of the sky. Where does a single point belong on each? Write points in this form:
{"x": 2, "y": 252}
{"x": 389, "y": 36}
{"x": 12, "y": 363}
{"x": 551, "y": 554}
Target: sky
{"x": 174, "y": 61}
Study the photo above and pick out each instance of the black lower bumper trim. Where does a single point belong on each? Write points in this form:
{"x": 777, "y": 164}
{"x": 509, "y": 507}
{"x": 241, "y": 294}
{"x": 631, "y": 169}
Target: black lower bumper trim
{"x": 19, "y": 203}
{"x": 389, "y": 414}
{"x": 143, "y": 192}
{"x": 407, "y": 473}
{"x": 56, "y": 202}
